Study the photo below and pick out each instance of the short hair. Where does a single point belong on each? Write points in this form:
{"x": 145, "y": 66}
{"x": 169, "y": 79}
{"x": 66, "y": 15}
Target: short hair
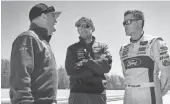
{"x": 137, "y": 14}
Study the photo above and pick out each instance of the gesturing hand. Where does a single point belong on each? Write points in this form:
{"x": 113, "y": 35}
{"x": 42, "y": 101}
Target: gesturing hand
{"x": 80, "y": 63}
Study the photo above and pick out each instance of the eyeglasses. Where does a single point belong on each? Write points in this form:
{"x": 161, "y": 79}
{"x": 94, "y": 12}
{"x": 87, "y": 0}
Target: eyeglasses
{"x": 129, "y": 21}
{"x": 84, "y": 26}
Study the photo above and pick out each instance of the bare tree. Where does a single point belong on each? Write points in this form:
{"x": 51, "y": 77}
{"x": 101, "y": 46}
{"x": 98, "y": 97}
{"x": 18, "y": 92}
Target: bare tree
{"x": 5, "y": 71}
{"x": 63, "y": 78}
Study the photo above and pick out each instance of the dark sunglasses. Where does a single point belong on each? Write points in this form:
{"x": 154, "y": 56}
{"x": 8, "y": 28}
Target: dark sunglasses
{"x": 129, "y": 21}
{"x": 83, "y": 25}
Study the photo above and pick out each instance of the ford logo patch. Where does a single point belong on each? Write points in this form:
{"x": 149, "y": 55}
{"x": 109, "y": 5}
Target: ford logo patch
{"x": 133, "y": 62}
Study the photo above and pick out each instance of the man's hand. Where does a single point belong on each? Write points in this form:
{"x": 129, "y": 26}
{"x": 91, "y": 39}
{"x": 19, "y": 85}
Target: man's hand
{"x": 84, "y": 61}
{"x": 80, "y": 63}
{"x": 103, "y": 56}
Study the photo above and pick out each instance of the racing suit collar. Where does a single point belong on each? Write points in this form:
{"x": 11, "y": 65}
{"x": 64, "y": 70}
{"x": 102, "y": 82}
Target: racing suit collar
{"x": 135, "y": 41}
{"x": 40, "y": 31}
{"x": 83, "y": 42}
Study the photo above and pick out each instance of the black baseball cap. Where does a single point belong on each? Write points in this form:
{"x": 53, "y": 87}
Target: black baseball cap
{"x": 40, "y": 8}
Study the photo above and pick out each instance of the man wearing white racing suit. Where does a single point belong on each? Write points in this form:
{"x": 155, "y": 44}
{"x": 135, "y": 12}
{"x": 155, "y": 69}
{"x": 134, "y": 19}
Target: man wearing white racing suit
{"x": 145, "y": 62}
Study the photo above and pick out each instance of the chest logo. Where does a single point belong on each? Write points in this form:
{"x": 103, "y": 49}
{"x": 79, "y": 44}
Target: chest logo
{"x": 133, "y": 62}
{"x": 81, "y": 53}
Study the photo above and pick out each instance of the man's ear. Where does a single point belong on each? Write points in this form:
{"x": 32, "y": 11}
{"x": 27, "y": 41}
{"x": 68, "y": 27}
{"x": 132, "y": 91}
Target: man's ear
{"x": 140, "y": 22}
{"x": 91, "y": 30}
{"x": 43, "y": 16}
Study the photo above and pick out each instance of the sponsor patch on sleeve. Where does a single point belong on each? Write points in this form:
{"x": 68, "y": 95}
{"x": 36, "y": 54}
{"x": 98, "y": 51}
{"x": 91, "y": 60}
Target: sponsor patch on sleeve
{"x": 163, "y": 48}
{"x": 164, "y": 57}
{"x": 163, "y": 53}
{"x": 166, "y": 62}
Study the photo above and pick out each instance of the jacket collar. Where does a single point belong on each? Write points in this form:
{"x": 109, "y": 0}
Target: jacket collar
{"x": 83, "y": 42}
{"x": 40, "y": 31}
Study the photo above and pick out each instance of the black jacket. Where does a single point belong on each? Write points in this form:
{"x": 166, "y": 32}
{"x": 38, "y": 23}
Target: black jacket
{"x": 90, "y": 77}
{"x": 33, "y": 74}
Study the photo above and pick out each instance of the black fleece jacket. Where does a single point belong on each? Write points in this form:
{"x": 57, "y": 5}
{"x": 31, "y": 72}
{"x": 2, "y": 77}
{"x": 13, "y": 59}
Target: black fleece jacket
{"x": 89, "y": 77}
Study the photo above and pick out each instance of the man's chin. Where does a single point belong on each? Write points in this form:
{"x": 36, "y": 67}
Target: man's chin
{"x": 84, "y": 37}
{"x": 50, "y": 34}
{"x": 54, "y": 30}
{"x": 128, "y": 34}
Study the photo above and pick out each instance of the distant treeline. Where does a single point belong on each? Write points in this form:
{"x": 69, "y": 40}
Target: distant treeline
{"x": 115, "y": 82}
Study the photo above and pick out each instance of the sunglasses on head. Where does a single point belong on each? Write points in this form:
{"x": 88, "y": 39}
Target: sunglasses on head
{"x": 129, "y": 21}
{"x": 84, "y": 25}
{"x": 48, "y": 10}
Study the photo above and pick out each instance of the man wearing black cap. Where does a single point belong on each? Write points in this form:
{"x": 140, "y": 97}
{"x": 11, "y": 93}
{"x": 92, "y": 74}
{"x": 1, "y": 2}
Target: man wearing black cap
{"x": 33, "y": 75}
{"x": 144, "y": 59}
{"x": 86, "y": 63}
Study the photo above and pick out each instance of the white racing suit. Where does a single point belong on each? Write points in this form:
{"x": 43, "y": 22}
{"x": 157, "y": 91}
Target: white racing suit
{"x": 146, "y": 67}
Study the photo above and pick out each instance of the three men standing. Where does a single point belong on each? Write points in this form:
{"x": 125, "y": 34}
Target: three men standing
{"x": 33, "y": 76}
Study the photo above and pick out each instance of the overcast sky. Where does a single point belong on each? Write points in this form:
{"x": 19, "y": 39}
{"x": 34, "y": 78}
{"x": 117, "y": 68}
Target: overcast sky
{"x": 106, "y": 16}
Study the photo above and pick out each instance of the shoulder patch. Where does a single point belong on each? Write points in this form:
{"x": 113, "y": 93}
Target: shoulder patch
{"x": 125, "y": 50}
{"x": 23, "y": 48}
{"x": 163, "y": 47}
